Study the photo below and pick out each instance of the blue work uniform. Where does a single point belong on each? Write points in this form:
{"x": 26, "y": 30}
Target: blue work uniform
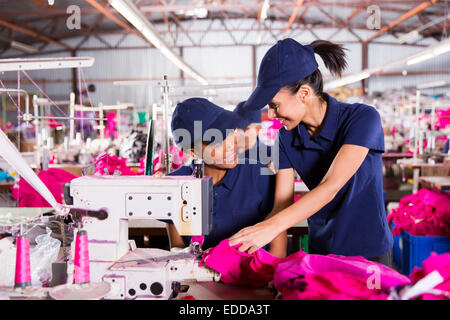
{"x": 354, "y": 223}
{"x": 242, "y": 198}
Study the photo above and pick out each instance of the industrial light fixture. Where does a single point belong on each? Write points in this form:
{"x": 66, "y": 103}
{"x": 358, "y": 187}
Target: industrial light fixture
{"x": 348, "y": 80}
{"x": 264, "y": 9}
{"x": 432, "y": 84}
{"x": 23, "y": 47}
{"x": 425, "y": 54}
{"x": 130, "y": 12}
{"x": 414, "y": 35}
{"x": 420, "y": 58}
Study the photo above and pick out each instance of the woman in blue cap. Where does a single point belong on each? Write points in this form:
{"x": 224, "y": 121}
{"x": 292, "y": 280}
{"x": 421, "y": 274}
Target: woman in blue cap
{"x": 336, "y": 149}
{"x": 243, "y": 193}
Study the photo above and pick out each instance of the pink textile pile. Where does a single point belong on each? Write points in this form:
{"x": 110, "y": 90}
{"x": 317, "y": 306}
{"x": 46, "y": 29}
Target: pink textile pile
{"x": 53, "y": 178}
{"x": 334, "y": 277}
{"x": 241, "y": 268}
{"x": 303, "y": 276}
{"x": 442, "y": 118}
{"x": 109, "y": 164}
{"x": 424, "y": 213}
{"x": 111, "y": 127}
{"x": 52, "y": 123}
{"x": 440, "y": 263}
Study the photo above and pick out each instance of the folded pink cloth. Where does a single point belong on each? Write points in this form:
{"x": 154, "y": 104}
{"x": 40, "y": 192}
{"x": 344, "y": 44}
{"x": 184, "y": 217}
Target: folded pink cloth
{"x": 304, "y": 276}
{"x": 335, "y": 277}
{"x": 241, "y": 268}
{"x": 329, "y": 286}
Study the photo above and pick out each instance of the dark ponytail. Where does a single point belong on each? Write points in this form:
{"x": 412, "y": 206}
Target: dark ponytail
{"x": 333, "y": 56}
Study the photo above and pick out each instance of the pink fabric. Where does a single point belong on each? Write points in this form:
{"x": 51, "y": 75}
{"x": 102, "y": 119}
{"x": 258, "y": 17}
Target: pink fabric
{"x": 199, "y": 239}
{"x": 329, "y": 286}
{"x": 241, "y": 268}
{"x": 52, "y": 123}
{"x": 301, "y": 275}
{"x": 111, "y": 164}
{"x": 53, "y": 178}
{"x": 441, "y": 263}
{"x": 111, "y": 127}
{"x": 442, "y": 118}
{"x": 333, "y": 277}
{"x": 425, "y": 213}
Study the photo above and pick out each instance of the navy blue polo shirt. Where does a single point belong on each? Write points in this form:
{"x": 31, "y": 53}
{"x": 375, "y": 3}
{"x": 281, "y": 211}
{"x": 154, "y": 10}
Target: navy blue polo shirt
{"x": 241, "y": 199}
{"x": 354, "y": 223}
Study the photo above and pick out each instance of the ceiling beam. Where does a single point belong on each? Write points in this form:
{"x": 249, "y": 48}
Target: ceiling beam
{"x": 404, "y": 17}
{"x": 112, "y": 17}
{"x": 293, "y": 16}
{"x": 32, "y": 33}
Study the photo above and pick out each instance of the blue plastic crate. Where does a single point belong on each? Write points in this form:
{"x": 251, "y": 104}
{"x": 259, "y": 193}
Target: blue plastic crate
{"x": 417, "y": 248}
{"x": 397, "y": 251}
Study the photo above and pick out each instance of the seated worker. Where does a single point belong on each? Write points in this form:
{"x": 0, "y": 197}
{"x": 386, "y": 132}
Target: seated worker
{"x": 242, "y": 195}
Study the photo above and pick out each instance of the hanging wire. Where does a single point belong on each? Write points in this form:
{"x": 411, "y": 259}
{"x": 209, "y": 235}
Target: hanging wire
{"x": 12, "y": 100}
{"x": 45, "y": 95}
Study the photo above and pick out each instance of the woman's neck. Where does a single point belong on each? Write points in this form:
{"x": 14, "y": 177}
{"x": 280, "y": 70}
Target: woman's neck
{"x": 215, "y": 173}
{"x": 315, "y": 116}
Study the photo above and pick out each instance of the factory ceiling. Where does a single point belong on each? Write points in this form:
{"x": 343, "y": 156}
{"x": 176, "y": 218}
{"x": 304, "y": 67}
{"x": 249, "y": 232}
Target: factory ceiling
{"x": 41, "y": 26}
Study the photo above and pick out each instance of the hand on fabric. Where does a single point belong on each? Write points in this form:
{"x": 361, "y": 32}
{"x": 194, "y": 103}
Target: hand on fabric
{"x": 254, "y": 237}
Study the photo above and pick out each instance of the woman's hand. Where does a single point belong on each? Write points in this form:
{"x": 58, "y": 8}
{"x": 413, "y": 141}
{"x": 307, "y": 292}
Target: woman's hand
{"x": 254, "y": 237}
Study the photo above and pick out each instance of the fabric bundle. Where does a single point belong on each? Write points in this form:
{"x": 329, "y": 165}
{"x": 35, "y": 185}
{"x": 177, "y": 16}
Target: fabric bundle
{"x": 425, "y": 213}
{"x": 334, "y": 277}
{"x": 108, "y": 164}
{"x": 443, "y": 118}
{"x": 53, "y": 178}
{"x": 304, "y": 276}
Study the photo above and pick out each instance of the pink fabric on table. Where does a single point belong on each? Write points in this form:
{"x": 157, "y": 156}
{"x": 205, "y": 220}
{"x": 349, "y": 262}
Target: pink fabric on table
{"x": 424, "y": 213}
{"x": 111, "y": 164}
{"x": 53, "y": 178}
{"x": 241, "y": 268}
{"x": 301, "y": 275}
{"x": 358, "y": 267}
{"x": 440, "y": 263}
{"x": 329, "y": 286}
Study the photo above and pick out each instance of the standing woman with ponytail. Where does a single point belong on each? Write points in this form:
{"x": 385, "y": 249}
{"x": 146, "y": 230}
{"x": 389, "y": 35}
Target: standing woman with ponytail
{"x": 336, "y": 149}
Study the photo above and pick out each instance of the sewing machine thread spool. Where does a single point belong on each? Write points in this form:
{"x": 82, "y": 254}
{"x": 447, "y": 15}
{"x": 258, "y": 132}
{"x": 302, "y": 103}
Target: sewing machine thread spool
{"x": 199, "y": 170}
{"x": 23, "y": 271}
{"x": 81, "y": 273}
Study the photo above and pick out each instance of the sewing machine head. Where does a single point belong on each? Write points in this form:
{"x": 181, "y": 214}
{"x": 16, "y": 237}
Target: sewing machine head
{"x": 185, "y": 200}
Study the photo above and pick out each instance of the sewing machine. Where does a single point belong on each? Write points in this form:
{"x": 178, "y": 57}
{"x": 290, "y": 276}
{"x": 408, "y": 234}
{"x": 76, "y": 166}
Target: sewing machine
{"x": 115, "y": 200}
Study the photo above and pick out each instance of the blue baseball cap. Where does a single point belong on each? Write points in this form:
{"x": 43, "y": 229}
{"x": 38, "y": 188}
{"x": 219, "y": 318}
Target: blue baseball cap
{"x": 209, "y": 114}
{"x": 251, "y": 116}
{"x": 286, "y": 62}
